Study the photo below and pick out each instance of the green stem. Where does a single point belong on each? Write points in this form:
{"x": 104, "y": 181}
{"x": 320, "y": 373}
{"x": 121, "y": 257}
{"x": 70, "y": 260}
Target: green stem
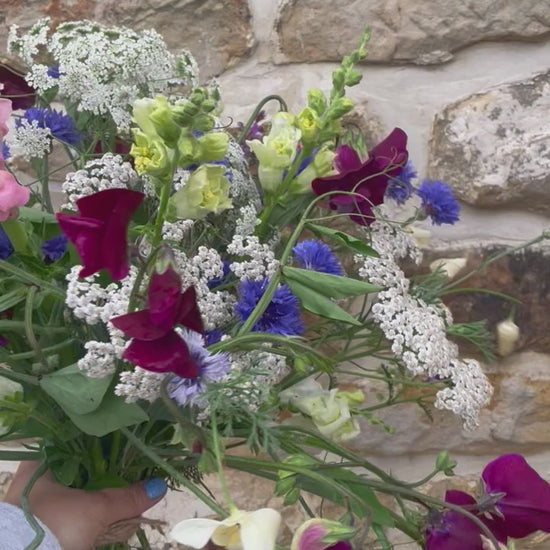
{"x": 256, "y": 112}
{"x": 26, "y": 277}
{"x": 46, "y": 351}
{"x": 18, "y": 376}
{"x": 213, "y": 505}
{"x": 482, "y": 291}
{"x": 543, "y": 236}
{"x": 97, "y": 458}
{"x": 113, "y": 454}
{"x": 31, "y": 520}
{"x": 29, "y": 333}
{"x": 217, "y": 453}
{"x": 142, "y": 537}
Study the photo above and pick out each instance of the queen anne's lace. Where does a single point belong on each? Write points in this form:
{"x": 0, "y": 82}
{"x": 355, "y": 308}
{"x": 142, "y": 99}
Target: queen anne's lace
{"x": 108, "y": 172}
{"x": 103, "y": 69}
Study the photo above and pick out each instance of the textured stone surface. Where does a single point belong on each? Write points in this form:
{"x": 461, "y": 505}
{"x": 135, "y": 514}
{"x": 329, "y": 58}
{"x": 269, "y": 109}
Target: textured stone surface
{"x": 216, "y": 32}
{"x": 417, "y": 31}
{"x": 493, "y": 148}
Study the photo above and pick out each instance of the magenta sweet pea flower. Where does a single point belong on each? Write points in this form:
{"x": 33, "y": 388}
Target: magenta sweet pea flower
{"x": 367, "y": 180}
{"x": 16, "y": 87}
{"x": 155, "y": 345}
{"x": 524, "y": 504}
{"x": 451, "y": 530}
{"x": 99, "y": 232}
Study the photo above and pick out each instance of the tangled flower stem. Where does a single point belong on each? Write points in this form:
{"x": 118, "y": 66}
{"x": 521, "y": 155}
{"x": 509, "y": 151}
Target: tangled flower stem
{"x": 256, "y": 112}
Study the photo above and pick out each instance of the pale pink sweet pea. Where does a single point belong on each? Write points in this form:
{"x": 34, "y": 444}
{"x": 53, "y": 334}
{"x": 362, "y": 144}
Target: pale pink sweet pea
{"x": 12, "y": 195}
{"x": 5, "y": 113}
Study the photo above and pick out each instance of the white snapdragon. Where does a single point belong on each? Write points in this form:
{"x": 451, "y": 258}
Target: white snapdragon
{"x": 108, "y": 172}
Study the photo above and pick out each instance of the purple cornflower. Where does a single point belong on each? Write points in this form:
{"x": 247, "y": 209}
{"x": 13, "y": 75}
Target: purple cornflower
{"x": 6, "y": 248}
{"x": 5, "y": 152}
{"x": 438, "y": 202}
{"x": 317, "y": 256}
{"x": 60, "y": 125}
{"x": 53, "y": 249}
{"x": 212, "y": 368}
{"x": 400, "y": 187}
{"x": 282, "y": 315}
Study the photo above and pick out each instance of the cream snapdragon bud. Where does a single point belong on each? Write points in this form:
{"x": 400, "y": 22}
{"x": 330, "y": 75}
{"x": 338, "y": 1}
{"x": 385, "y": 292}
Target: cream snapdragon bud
{"x": 450, "y": 266}
{"x": 507, "y": 337}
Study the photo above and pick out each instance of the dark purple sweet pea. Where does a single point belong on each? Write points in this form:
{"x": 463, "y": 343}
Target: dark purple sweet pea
{"x": 343, "y": 545}
{"x": 6, "y": 248}
{"x": 525, "y": 501}
{"x": 155, "y": 345}
{"x": 15, "y": 87}
{"x": 53, "y": 249}
{"x": 99, "y": 232}
{"x": 451, "y": 530}
{"x": 367, "y": 180}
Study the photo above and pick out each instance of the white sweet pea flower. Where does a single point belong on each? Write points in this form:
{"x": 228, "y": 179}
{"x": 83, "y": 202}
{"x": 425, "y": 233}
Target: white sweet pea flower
{"x": 240, "y": 531}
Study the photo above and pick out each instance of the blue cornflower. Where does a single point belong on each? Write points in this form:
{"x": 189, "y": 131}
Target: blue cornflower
{"x": 53, "y": 71}
{"x": 400, "y": 187}
{"x": 223, "y": 280}
{"x": 6, "y": 248}
{"x": 5, "y": 152}
{"x": 282, "y": 315}
{"x": 317, "y": 256}
{"x": 60, "y": 125}
{"x": 213, "y": 336}
{"x": 438, "y": 202}
{"x": 212, "y": 368}
{"x": 53, "y": 249}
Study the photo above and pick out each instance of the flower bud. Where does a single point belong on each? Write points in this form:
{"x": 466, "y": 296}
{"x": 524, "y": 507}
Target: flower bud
{"x": 507, "y": 337}
{"x": 449, "y": 266}
{"x": 319, "y": 534}
{"x": 316, "y": 101}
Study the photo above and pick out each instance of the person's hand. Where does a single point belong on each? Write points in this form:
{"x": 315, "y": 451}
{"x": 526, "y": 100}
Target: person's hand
{"x": 76, "y": 517}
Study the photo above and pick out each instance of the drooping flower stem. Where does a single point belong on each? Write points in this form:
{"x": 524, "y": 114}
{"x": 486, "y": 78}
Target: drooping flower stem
{"x": 31, "y": 520}
{"x": 256, "y": 112}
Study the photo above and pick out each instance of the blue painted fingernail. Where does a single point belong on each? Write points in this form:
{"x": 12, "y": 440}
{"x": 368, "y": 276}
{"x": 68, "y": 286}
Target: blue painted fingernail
{"x": 155, "y": 487}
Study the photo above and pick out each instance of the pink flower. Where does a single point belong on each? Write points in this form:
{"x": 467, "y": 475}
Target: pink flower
{"x": 99, "y": 232}
{"x": 12, "y": 195}
{"x": 5, "y": 113}
{"x": 367, "y": 180}
{"x": 155, "y": 345}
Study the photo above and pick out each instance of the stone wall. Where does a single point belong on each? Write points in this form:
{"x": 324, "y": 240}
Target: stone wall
{"x": 469, "y": 81}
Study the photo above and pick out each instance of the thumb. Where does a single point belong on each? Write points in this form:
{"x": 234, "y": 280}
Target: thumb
{"x": 132, "y": 501}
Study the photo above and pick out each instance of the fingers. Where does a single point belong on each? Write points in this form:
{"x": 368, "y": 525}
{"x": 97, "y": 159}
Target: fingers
{"x": 132, "y": 501}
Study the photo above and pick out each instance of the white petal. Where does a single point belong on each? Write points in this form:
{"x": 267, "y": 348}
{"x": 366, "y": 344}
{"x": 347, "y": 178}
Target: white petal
{"x": 259, "y": 529}
{"x": 195, "y": 532}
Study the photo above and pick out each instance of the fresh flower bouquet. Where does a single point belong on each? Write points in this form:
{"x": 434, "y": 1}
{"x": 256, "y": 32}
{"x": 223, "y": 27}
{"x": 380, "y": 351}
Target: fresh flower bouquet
{"x": 206, "y": 288}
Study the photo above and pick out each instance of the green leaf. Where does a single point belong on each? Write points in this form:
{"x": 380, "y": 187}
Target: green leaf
{"x": 113, "y": 413}
{"x": 66, "y": 471}
{"x": 320, "y": 305}
{"x": 36, "y": 216}
{"x": 342, "y": 238}
{"x": 18, "y": 456}
{"x": 331, "y": 286}
{"x": 75, "y": 392}
{"x": 12, "y": 298}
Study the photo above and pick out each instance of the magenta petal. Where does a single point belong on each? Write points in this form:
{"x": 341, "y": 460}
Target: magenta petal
{"x": 139, "y": 325}
{"x": 164, "y": 297}
{"x": 189, "y": 315}
{"x": 85, "y": 234}
{"x": 167, "y": 354}
{"x": 453, "y": 531}
{"x": 346, "y": 159}
{"x": 114, "y": 246}
{"x": 391, "y": 152}
{"x": 340, "y": 546}
{"x": 526, "y": 503}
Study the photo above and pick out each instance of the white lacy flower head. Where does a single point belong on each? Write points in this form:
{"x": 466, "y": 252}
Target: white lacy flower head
{"x": 139, "y": 384}
{"x": 107, "y": 172}
{"x": 103, "y": 69}
{"x": 241, "y": 530}
{"x": 29, "y": 140}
